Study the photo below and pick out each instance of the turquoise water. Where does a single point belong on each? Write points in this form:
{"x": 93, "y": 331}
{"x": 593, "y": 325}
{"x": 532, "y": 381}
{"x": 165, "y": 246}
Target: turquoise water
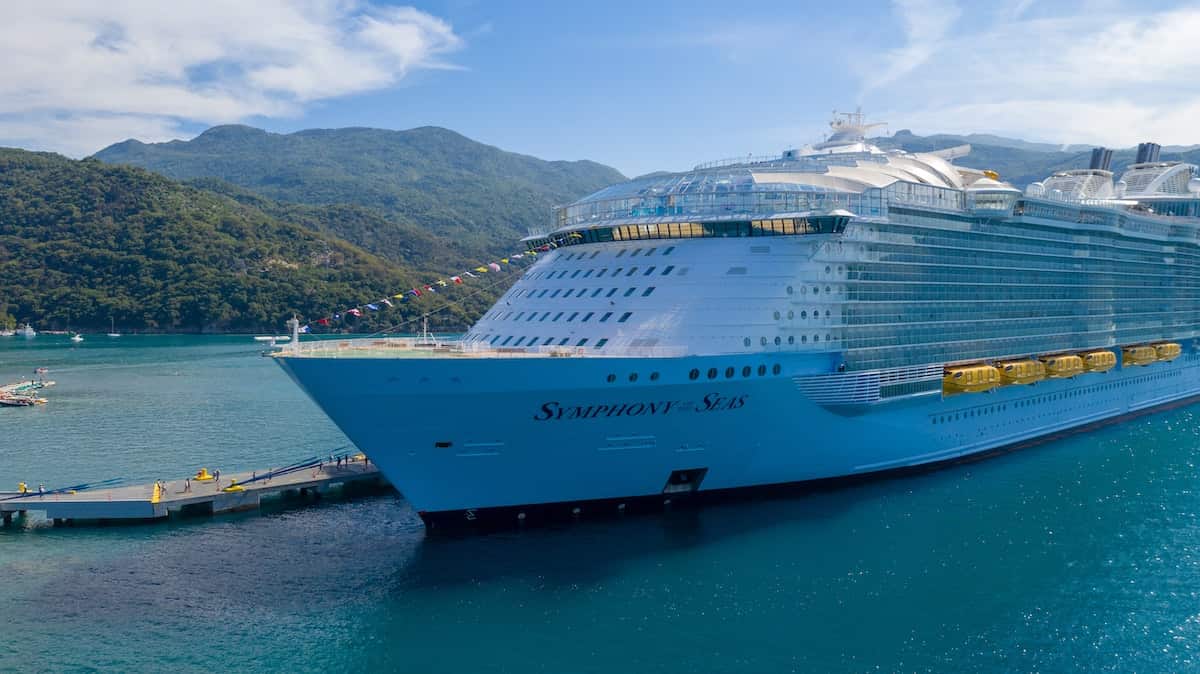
{"x": 1079, "y": 554}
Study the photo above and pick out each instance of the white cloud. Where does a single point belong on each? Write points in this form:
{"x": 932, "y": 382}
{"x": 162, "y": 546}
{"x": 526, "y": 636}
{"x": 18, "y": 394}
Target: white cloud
{"x": 78, "y": 74}
{"x": 926, "y": 24}
{"x": 1096, "y": 73}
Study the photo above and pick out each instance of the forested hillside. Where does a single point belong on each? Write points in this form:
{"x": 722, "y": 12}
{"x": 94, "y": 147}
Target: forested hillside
{"x": 83, "y": 241}
{"x": 477, "y": 197}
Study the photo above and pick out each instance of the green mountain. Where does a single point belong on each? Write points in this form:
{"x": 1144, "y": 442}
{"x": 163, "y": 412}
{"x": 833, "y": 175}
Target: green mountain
{"x": 481, "y": 200}
{"x": 83, "y": 241}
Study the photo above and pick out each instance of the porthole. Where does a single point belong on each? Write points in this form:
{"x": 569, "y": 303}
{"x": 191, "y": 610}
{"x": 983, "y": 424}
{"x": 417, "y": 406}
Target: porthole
{"x": 790, "y": 290}
{"x": 803, "y": 314}
{"x": 816, "y": 290}
{"x": 746, "y": 342}
{"x": 791, "y": 315}
{"x": 778, "y": 341}
{"x": 729, "y": 373}
{"x": 827, "y": 270}
{"x": 762, "y": 370}
{"x": 804, "y": 339}
{"x": 776, "y": 315}
{"x": 776, "y": 369}
{"x": 762, "y": 341}
{"x": 611, "y": 378}
{"x": 746, "y": 371}
{"x": 826, "y": 290}
{"x": 653, "y": 375}
{"x": 791, "y": 339}
{"x": 693, "y": 375}
{"x": 712, "y": 373}
{"x": 632, "y": 376}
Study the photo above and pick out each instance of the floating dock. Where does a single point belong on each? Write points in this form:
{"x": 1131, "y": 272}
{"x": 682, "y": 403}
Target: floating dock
{"x": 147, "y": 503}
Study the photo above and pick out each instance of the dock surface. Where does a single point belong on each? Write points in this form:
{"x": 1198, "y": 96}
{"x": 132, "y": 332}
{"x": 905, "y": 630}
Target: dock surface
{"x": 182, "y": 497}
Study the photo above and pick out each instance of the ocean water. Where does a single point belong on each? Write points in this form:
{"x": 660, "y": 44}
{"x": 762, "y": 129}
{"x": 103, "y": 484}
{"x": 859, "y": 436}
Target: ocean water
{"x": 1080, "y": 554}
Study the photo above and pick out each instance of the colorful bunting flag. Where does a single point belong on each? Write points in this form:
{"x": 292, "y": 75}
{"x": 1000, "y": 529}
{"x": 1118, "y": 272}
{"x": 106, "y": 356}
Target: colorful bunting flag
{"x": 481, "y": 269}
{"x": 493, "y": 266}
{"x": 323, "y": 321}
{"x": 456, "y": 279}
{"x": 373, "y": 307}
{"x": 354, "y": 312}
{"x": 304, "y": 329}
{"x": 387, "y": 302}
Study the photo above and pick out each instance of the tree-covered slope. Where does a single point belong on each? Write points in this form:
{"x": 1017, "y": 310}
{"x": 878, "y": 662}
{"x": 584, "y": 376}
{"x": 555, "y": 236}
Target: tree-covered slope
{"x": 478, "y": 196}
{"x": 83, "y": 241}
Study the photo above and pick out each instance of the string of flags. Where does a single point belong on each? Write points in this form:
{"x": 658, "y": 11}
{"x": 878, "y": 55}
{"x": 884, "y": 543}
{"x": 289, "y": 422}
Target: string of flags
{"x": 432, "y": 288}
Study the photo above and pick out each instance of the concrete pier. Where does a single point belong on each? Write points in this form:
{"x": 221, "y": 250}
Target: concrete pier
{"x": 148, "y": 503}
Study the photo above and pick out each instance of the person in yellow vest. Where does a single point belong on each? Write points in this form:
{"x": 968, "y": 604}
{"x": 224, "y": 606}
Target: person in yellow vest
{"x": 22, "y": 487}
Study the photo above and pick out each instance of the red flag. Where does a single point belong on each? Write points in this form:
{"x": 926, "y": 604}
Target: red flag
{"x": 354, "y": 312}
{"x": 323, "y": 321}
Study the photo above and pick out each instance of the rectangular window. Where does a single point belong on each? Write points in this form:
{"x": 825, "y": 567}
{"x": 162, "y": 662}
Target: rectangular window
{"x": 603, "y": 271}
{"x": 576, "y": 273}
{"x": 611, "y": 292}
{"x": 594, "y": 255}
{"x": 668, "y": 250}
{"x": 532, "y": 341}
{"x": 573, "y": 315}
{"x": 636, "y": 252}
{"x": 587, "y": 316}
{"x": 589, "y": 273}
{"x": 630, "y": 292}
{"x": 625, "y": 316}
{"x": 632, "y": 271}
{"x": 647, "y": 291}
{"x": 548, "y": 341}
{"x": 606, "y": 316}
{"x": 581, "y": 342}
{"x": 559, "y": 315}
{"x": 543, "y": 293}
{"x": 620, "y": 252}
{"x": 544, "y": 317}
{"x": 494, "y": 339}
{"x": 597, "y": 291}
{"x": 563, "y": 341}
{"x": 649, "y": 271}
{"x": 518, "y": 316}
{"x": 506, "y": 340}
{"x": 600, "y": 344}
{"x": 518, "y": 342}
{"x": 532, "y": 315}
{"x": 650, "y": 252}
{"x": 667, "y": 271}
{"x": 556, "y": 292}
{"x": 618, "y": 271}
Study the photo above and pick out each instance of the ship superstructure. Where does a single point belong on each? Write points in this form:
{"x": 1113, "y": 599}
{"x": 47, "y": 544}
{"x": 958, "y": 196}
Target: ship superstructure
{"x": 830, "y": 311}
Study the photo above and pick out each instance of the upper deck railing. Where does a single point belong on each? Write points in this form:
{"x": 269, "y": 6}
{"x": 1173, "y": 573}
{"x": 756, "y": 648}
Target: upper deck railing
{"x": 407, "y": 347}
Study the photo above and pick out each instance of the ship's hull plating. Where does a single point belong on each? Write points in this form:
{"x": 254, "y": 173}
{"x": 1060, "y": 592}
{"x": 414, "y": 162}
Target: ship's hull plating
{"x": 464, "y": 439}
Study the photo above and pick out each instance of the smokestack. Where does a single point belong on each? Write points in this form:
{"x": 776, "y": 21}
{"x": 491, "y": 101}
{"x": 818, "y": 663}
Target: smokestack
{"x": 1147, "y": 153}
{"x": 1101, "y": 159}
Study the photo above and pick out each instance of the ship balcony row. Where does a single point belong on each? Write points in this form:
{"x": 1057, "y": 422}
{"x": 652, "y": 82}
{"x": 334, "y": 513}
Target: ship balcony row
{"x": 406, "y": 347}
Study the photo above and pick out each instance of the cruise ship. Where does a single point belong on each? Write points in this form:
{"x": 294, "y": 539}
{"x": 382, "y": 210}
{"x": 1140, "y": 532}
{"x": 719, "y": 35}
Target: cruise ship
{"x": 831, "y": 312}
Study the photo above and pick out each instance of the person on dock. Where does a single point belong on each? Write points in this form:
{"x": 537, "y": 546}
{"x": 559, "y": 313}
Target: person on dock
{"x": 217, "y": 479}
{"x": 187, "y": 485}
{"x": 41, "y": 490}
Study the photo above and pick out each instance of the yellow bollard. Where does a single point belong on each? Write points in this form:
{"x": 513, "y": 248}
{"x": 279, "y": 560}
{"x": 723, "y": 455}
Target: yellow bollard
{"x": 22, "y": 487}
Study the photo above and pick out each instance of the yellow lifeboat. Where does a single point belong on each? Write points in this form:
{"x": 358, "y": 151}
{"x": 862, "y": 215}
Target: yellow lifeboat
{"x": 1138, "y": 355}
{"x": 1063, "y": 366}
{"x": 970, "y": 379}
{"x": 1021, "y": 371}
{"x": 1167, "y": 350}
{"x": 1099, "y": 361}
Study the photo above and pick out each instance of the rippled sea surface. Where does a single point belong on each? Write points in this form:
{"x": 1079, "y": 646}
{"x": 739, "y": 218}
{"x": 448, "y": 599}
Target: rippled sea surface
{"x": 1083, "y": 553}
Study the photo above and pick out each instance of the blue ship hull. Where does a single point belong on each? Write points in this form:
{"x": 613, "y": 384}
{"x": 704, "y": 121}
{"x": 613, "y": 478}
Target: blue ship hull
{"x": 472, "y": 439}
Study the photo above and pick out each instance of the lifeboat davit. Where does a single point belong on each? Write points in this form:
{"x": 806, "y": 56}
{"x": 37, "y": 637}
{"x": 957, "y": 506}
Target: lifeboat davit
{"x": 970, "y": 379}
{"x": 1099, "y": 361}
{"x": 1138, "y": 355}
{"x": 1021, "y": 371}
{"x": 1063, "y": 366}
{"x": 1167, "y": 350}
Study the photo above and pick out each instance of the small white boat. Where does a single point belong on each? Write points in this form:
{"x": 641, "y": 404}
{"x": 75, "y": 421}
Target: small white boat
{"x": 76, "y": 337}
{"x": 112, "y": 328}
{"x": 27, "y": 331}
{"x": 7, "y": 333}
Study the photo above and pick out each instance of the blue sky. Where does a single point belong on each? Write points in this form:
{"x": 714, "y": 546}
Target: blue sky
{"x": 640, "y": 86}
